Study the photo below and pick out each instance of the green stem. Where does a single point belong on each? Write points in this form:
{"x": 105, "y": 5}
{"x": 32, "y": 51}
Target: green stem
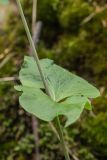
{"x": 60, "y": 132}
{"x": 32, "y": 46}
{"x": 34, "y": 15}
{"x": 42, "y": 76}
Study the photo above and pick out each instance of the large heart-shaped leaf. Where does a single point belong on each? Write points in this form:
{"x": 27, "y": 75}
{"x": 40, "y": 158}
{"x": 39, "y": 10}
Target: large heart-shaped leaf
{"x": 62, "y": 83}
{"x": 69, "y": 92}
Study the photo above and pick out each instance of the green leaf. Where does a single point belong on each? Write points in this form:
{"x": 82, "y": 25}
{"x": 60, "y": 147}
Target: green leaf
{"x": 38, "y": 103}
{"x": 5, "y": 2}
{"x": 69, "y": 92}
{"x": 78, "y": 103}
{"x": 88, "y": 106}
{"x": 29, "y": 74}
{"x": 64, "y": 84}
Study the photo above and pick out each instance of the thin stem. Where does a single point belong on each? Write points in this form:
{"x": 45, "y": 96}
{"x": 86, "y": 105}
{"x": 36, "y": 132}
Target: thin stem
{"x": 59, "y": 129}
{"x": 34, "y": 15}
{"x": 32, "y": 46}
{"x": 42, "y": 76}
{"x": 8, "y": 79}
{"x": 34, "y": 119}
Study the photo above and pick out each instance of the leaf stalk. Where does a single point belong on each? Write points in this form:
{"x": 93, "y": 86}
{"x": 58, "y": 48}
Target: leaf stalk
{"x": 60, "y": 132}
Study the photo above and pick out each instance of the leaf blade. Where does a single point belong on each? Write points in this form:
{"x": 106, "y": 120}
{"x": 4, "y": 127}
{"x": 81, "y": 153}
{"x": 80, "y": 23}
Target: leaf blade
{"x": 69, "y": 92}
{"x": 39, "y": 104}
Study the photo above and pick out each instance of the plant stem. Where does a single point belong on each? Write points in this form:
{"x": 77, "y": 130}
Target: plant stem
{"x": 32, "y": 46}
{"x": 60, "y": 132}
{"x": 34, "y": 15}
{"x": 34, "y": 119}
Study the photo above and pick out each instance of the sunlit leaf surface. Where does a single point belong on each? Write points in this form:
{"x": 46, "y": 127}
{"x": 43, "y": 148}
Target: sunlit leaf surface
{"x": 70, "y": 93}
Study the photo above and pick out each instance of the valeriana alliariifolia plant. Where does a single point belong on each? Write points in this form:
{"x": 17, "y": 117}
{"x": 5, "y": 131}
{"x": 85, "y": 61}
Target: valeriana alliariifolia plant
{"x": 65, "y": 93}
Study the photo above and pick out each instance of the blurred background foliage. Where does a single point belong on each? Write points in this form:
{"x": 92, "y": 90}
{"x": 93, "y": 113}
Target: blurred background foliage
{"x": 74, "y": 34}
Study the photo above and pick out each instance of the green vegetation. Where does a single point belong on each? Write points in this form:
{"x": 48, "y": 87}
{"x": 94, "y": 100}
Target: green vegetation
{"x": 4, "y": 2}
{"x": 75, "y": 42}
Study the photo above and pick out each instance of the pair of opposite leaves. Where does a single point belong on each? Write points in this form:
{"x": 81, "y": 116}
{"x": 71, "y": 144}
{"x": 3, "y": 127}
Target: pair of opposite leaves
{"x": 69, "y": 93}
